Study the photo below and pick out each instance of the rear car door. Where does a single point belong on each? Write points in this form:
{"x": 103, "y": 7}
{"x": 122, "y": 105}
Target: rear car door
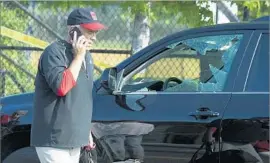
{"x": 250, "y": 99}
{"x": 178, "y": 91}
{"x": 251, "y": 93}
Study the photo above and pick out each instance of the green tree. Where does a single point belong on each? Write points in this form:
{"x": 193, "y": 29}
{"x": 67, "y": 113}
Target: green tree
{"x": 188, "y": 13}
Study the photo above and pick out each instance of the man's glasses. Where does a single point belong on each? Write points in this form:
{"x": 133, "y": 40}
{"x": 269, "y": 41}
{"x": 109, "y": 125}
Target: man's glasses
{"x": 92, "y": 33}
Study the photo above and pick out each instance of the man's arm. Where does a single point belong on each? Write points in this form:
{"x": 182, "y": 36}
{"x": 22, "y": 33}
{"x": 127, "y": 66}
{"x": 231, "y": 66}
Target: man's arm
{"x": 60, "y": 78}
{"x": 54, "y": 69}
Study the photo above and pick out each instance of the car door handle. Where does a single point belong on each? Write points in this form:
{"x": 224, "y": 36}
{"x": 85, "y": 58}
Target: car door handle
{"x": 203, "y": 113}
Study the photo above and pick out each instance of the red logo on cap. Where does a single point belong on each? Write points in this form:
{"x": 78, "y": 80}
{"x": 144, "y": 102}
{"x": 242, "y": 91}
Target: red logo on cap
{"x": 93, "y": 15}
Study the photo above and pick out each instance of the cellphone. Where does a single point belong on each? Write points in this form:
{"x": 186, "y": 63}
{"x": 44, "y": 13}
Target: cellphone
{"x": 71, "y": 33}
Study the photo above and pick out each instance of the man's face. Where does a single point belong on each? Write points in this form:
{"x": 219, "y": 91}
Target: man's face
{"x": 90, "y": 37}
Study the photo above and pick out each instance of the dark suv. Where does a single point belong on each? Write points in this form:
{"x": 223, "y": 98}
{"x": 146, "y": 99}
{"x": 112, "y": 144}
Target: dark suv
{"x": 155, "y": 96}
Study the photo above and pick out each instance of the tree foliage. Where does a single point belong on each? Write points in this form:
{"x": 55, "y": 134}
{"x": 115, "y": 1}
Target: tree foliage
{"x": 190, "y": 13}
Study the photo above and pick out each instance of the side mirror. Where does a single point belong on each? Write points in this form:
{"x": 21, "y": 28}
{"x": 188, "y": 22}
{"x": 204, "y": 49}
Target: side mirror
{"x": 108, "y": 80}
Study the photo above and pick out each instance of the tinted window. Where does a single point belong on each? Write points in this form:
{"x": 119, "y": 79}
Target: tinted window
{"x": 258, "y": 79}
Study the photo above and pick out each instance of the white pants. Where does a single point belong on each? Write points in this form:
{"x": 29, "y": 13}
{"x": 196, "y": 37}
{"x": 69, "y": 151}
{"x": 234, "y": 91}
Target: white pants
{"x": 265, "y": 156}
{"x": 57, "y": 155}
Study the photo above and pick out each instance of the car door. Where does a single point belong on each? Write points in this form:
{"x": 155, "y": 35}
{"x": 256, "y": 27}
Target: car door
{"x": 250, "y": 99}
{"x": 178, "y": 91}
{"x": 251, "y": 93}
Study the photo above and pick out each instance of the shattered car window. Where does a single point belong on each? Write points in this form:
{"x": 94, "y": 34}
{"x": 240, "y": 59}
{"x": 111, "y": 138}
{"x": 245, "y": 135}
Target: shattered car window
{"x": 227, "y": 45}
{"x": 203, "y": 44}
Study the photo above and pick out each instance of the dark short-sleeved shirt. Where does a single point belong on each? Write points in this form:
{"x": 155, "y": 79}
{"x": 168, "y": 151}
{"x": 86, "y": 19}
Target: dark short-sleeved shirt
{"x": 61, "y": 121}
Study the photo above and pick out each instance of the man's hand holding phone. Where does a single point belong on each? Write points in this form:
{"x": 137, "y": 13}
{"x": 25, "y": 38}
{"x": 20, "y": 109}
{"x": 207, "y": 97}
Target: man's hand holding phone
{"x": 79, "y": 45}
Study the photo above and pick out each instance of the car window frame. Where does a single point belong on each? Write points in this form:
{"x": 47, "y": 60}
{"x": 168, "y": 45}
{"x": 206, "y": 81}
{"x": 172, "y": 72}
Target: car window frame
{"x": 259, "y": 35}
{"x": 242, "y": 73}
{"x": 228, "y": 86}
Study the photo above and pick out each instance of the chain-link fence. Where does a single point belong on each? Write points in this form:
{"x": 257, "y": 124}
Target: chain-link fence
{"x": 27, "y": 27}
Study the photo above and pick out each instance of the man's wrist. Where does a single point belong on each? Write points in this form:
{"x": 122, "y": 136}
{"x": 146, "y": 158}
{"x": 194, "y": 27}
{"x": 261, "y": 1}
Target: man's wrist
{"x": 79, "y": 57}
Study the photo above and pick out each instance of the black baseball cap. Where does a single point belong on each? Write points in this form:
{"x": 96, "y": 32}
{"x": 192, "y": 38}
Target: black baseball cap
{"x": 86, "y": 18}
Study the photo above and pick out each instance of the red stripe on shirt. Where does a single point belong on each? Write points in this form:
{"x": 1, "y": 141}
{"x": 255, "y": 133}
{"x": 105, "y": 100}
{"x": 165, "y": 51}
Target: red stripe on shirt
{"x": 66, "y": 84}
{"x": 262, "y": 146}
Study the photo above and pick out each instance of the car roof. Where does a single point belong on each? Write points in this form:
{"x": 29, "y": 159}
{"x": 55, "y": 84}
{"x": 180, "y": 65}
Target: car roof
{"x": 262, "y": 19}
{"x": 261, "y": 23}
{"x": 254, "y": 25}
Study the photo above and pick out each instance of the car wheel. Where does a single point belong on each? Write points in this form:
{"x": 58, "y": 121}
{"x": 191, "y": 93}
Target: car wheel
{"x": 13, "y": 142}
{"x": 27, "y": 155}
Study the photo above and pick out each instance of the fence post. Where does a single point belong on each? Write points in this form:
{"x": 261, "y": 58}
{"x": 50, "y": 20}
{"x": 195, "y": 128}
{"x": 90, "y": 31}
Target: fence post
{"x": 246, "y": 14}
{"x": 2, "y": 82}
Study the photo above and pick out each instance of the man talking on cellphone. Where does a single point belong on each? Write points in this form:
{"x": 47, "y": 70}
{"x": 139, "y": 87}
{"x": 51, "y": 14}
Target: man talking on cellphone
{"x": 63, "y": 92}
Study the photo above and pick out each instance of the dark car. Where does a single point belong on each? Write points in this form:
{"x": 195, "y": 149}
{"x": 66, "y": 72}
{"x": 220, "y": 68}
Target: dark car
{"x": 168, "y": 93}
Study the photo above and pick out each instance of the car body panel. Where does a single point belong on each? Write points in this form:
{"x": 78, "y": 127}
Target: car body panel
{"x": 252, "y": 100}
{"x": 11, "y": 104}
